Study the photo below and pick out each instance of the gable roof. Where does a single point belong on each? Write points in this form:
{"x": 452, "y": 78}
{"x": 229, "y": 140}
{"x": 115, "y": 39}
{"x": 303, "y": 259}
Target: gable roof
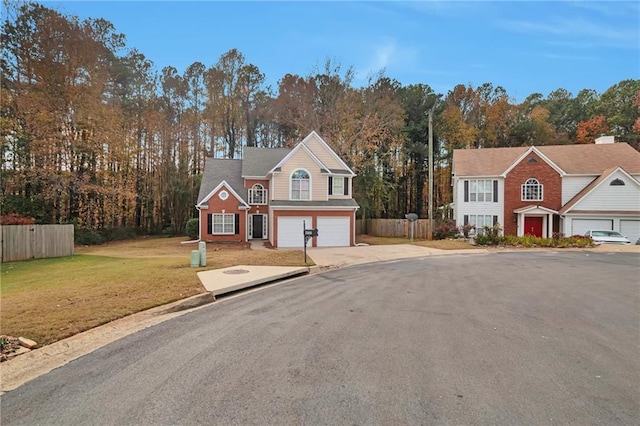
{"x": 536, "y": 151}
{"x": 485, "y": 161}
{"x": 257, "y": 162}
{"x": 323, "y": 167}
{"x": 590, "y": 159}
{"x": 593, "y": 158}
{"x": 593, "y": 185}
{"x": 217, "y": 170}
{"x": 313, "y": 134}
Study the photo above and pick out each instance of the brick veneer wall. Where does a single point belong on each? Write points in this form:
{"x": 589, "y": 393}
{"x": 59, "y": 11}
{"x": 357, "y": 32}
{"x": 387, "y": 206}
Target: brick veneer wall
{"x": 546, "y": 175}
{"x": 230, "y": 206}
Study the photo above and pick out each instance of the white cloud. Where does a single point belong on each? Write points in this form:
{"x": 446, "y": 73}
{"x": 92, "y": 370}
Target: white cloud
{"x": 387, "y": 56}
{"x": 577, "y": 28}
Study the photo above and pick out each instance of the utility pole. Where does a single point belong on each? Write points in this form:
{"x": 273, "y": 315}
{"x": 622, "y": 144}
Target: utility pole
{"x": 430, "y": 230}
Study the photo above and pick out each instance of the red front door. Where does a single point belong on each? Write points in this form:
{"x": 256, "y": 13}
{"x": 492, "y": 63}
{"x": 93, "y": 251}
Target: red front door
{"x": 533, "y": 226}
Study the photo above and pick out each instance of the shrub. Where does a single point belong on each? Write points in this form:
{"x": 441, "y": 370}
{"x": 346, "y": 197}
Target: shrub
{"x": 465, "y": 229}
{"x": 490, "y": 236}
{"x": 88, "y": 237}
{"x": 192, "y": 228}
{"x": 119, "y": 233}
{"x": 445, "y": 229}
{"x": 16, "y": 219}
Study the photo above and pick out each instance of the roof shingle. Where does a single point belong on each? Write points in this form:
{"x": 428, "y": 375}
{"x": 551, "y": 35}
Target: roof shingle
{"x": 589, "y": 159}
{"x": 216, "y": 170}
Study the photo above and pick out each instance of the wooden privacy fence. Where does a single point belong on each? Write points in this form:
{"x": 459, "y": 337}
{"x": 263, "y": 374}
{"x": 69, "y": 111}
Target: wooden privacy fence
{"x": 398, "y": 228}
{"x": 20, "y": 242}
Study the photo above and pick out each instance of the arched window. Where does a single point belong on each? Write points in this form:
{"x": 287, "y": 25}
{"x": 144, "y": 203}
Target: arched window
{"x": 300, "y": 185}
{"x": 257, "y": 194}
{"x": 532, "y": 190}
{"x": 617, "y": 182}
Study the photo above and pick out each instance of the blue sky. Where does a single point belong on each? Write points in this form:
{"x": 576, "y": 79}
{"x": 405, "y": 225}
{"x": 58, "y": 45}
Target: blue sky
{"x": 523, "y": 46}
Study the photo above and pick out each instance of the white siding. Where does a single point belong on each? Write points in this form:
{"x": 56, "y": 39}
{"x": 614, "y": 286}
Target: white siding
{"x": 463, "y": 208}
{"x": 607, "y": 197}
{"x": 571, "y": 185}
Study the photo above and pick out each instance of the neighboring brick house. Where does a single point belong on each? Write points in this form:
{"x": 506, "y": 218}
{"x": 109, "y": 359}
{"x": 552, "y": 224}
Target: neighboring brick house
{"x": 271, "y": 192}
{"x": 543, "y": 190}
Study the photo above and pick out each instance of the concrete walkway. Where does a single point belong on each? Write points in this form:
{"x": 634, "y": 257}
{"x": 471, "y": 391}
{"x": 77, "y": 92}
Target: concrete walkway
{"x": 226, "y": 280}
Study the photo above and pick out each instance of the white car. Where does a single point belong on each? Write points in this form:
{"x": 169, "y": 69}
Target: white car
{"x": 607, "y": 237}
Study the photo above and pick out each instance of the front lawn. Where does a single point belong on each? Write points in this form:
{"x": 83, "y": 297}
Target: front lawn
{"x": 49, "y": 299}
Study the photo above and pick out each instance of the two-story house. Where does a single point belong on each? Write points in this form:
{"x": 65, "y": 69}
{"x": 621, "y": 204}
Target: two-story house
{"x": 275, "y": 193}
{"x": 543, "y": 190}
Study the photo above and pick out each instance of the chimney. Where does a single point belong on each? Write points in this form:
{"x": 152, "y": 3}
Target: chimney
{"x": 605, "y": 139}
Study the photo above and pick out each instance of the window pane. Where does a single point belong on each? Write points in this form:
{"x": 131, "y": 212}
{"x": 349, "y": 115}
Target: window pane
{"x": 480, "y": 196}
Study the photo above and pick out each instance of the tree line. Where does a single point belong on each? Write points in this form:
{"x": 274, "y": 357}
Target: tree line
{"x": 93, "y": 134}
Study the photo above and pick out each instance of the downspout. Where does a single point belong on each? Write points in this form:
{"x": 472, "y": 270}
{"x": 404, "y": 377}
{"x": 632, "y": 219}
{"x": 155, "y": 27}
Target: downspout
{"x": 199, "y": 222}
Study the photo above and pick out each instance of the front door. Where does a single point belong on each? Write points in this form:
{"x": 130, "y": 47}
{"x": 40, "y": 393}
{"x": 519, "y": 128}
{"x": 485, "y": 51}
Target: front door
{"x": 533, "y": 226}
{"x": 257, "y": 226}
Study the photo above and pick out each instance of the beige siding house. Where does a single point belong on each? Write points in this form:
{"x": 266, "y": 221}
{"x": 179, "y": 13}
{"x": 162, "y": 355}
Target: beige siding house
{"x": 275, "y": 194}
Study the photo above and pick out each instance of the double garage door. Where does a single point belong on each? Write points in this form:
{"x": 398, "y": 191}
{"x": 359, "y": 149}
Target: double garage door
{"x": 628, "y": 227}
{"x": 332, "y": 231}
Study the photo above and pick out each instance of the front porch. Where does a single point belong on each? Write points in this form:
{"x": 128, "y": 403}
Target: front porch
{"x": 537, "y": 221}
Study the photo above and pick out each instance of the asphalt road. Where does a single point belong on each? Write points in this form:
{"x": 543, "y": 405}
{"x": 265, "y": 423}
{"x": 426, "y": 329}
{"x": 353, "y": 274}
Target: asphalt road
{"x": 516, "y": 338}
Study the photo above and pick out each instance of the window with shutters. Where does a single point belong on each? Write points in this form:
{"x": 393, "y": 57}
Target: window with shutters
{"x": 337, "y": 188}
{"x": 480, "y": 221}
{"x": 223, "y": 223}
{"x": 481, "y": 190}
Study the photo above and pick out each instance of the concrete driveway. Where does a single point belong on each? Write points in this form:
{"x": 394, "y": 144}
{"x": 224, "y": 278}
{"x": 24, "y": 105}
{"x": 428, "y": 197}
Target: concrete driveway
{"x": 348, "y": 256}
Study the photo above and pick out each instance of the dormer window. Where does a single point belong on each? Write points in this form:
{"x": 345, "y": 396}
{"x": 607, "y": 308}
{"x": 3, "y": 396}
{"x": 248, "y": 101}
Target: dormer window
{"x": 257, "y": 194}
{"x": 532, "y": 190}
{"x": 300, "y": 185}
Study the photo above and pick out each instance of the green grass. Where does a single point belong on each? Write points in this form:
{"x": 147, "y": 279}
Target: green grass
{"x": 50, "y": 299}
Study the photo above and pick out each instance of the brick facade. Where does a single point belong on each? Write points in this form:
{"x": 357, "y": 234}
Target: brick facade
{"x": 545, "y": 174}
{"x": 230, "y": 206}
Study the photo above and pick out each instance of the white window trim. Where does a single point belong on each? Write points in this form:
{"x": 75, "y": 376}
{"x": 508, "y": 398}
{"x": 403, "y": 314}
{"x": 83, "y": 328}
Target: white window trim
{"x": 223, "y": 215}
{"x": 526, "y": 185}
{"x": 473, "y": 219}
{"x": 484, "y": 181}
{"x": 265, "y": 195}
{"x": 333, "y": 188}
{"x": 291, "y": 186}
{"x": 265, "y": 226}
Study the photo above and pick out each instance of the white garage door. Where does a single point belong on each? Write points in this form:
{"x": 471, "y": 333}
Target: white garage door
{"x": 581, "y": 226}
{"x": 333, "y": 232}
{"x": 290, "y": 231}
{"x": 630, "y": 229}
